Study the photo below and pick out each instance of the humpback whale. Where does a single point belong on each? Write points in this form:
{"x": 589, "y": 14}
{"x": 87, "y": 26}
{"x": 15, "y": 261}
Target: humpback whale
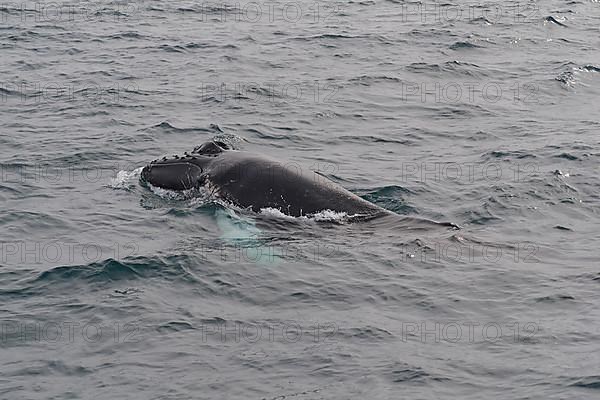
{"x": 256, "y": 182}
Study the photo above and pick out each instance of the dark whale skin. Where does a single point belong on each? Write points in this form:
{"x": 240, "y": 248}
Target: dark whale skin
{"x": 253, "y": 181}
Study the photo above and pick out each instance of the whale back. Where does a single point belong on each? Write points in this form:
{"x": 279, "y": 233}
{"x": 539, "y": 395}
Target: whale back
{"x": 257, "y": 182}
{"x": 249, "y": 180}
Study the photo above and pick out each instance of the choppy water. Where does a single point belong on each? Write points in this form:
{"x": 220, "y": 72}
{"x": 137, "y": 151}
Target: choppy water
{"x": 483, "y": 114}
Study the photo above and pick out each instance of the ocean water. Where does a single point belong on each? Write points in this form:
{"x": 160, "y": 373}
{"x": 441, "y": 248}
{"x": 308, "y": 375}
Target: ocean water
{"x": 484, "y": 114}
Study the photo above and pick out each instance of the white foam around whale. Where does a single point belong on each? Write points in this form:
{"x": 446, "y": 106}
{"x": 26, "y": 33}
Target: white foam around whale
{"x": 125, "y": 179}
{"x": 321, "y": 216}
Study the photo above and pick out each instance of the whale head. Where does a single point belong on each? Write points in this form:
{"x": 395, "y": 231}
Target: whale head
{"x": 182, "y": 172}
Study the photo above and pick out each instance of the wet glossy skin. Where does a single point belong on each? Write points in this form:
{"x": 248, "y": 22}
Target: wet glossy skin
{"x": 251, "y": 180}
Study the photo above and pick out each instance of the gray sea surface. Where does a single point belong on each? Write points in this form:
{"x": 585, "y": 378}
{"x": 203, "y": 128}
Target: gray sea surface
{"x": 484, "y": 114}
